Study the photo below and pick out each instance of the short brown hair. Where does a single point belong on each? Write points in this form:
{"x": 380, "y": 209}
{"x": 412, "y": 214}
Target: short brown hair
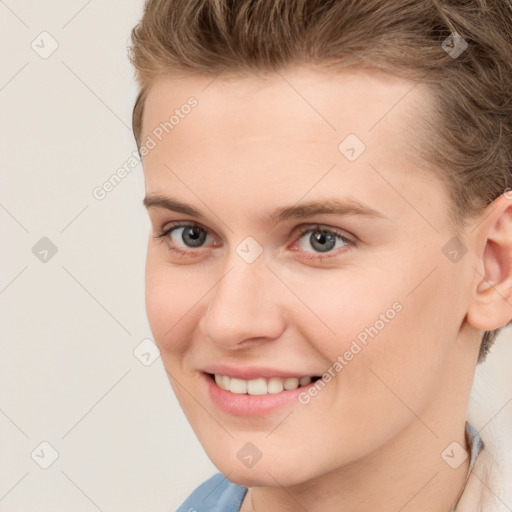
{"x": 469, "y": 124}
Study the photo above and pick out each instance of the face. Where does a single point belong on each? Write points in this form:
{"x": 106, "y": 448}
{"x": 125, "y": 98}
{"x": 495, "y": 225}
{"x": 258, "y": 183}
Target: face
{"x": 294, "y": 235}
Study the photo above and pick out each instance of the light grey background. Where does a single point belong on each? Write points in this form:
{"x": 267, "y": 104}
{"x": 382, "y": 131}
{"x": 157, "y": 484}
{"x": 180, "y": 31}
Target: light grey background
{"x": 71, "y": 323}
{"x": 69, "y": 326}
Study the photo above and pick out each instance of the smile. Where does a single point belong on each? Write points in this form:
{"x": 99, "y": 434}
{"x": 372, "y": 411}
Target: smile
{"x": 260, "y": 386}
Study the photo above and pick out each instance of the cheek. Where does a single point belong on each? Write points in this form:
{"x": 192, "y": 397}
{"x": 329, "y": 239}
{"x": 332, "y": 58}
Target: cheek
{"x": 342, "y": 307}
{"x": 403, "y": 363}
{"x": 170, "y": 301}
{"x": 381, "y": 341}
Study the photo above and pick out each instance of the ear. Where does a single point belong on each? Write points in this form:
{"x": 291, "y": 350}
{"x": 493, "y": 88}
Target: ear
{"x": 491, "y": 305}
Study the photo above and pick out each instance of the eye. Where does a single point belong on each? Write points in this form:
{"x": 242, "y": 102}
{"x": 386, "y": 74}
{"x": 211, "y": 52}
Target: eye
{"x": 321, "y": 240}
{"x": 190, "y": 236}
{"x": 188, "y": 239}
{"x": 182, "y": 238}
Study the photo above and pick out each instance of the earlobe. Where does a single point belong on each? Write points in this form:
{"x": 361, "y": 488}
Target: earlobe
{"x": 491, "y": 306}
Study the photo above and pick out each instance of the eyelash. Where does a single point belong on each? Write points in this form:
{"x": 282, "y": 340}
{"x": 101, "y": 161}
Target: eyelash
{"x": 302, "y": 230}
{"x": 175, "y": 225}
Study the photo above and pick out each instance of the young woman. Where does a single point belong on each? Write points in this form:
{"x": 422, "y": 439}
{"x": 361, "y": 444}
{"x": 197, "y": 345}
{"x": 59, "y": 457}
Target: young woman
{"x": 331, "y": 248}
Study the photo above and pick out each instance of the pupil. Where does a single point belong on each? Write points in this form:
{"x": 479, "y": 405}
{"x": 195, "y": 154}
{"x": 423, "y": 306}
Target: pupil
{"x": 193, "y": 237}
{"x": 322, "y": 241}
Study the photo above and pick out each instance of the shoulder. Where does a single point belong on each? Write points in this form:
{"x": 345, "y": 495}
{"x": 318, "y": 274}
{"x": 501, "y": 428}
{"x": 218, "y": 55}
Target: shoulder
{"x": 215, "y": 495}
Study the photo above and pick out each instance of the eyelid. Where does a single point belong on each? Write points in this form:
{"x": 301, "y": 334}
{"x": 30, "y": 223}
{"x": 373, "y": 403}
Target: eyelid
{"x": 303, "y": 229}
{"x": 170, "y": 226}
{"x": 297, "y": 233}
{"x": 319, "y": 257}
{"x": 180, "y": 252}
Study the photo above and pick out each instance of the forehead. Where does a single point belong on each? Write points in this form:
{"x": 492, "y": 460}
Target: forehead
{"x": 329, "y": 102}
{"x": 286, "y": 128}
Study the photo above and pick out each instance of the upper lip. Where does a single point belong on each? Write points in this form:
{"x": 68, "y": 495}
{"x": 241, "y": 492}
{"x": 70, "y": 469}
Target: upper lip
{"x": 253, "y": 372}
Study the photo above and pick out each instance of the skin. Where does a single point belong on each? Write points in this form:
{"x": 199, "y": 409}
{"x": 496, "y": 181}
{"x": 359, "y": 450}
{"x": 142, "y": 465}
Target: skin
{"x": 372, "y": 439}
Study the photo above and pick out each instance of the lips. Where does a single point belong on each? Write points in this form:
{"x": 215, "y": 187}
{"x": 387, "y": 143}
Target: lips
{"x": 249, "y": 405}
{"x": 260, "y": 386}
{"x": 255, "y": 390}
{"x": 256, "y": 372}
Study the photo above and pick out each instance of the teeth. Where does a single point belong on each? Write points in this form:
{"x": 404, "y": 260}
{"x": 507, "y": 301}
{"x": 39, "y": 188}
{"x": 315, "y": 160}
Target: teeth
{"x": 260, "y": 386}
{"x": 304, "y": 381}
{"x": 291, "y": 383}
{"x": 238, "y": 386}
{"x": 275, "y": 385}
{"x": 256, "y": 387}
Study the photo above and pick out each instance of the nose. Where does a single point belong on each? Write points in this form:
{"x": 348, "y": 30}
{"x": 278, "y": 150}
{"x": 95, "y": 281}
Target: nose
{"x": 244, "y": 307}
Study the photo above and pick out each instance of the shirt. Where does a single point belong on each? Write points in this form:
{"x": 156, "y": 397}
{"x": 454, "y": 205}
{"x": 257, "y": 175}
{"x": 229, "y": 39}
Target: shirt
{"x": 220, "y": 495}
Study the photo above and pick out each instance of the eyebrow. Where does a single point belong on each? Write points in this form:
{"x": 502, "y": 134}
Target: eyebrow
{"x": 331, "y": 206}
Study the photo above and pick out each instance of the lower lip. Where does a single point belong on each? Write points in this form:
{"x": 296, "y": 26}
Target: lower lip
{"x": 251, "y": 405}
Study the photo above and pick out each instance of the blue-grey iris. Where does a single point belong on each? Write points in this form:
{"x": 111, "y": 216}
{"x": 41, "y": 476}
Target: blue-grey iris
{"x": 322, "y": 241}
{"x": 193, "y": 236}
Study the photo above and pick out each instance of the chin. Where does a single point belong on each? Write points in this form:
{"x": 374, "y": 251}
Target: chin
{"x": 263, "y": 473}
